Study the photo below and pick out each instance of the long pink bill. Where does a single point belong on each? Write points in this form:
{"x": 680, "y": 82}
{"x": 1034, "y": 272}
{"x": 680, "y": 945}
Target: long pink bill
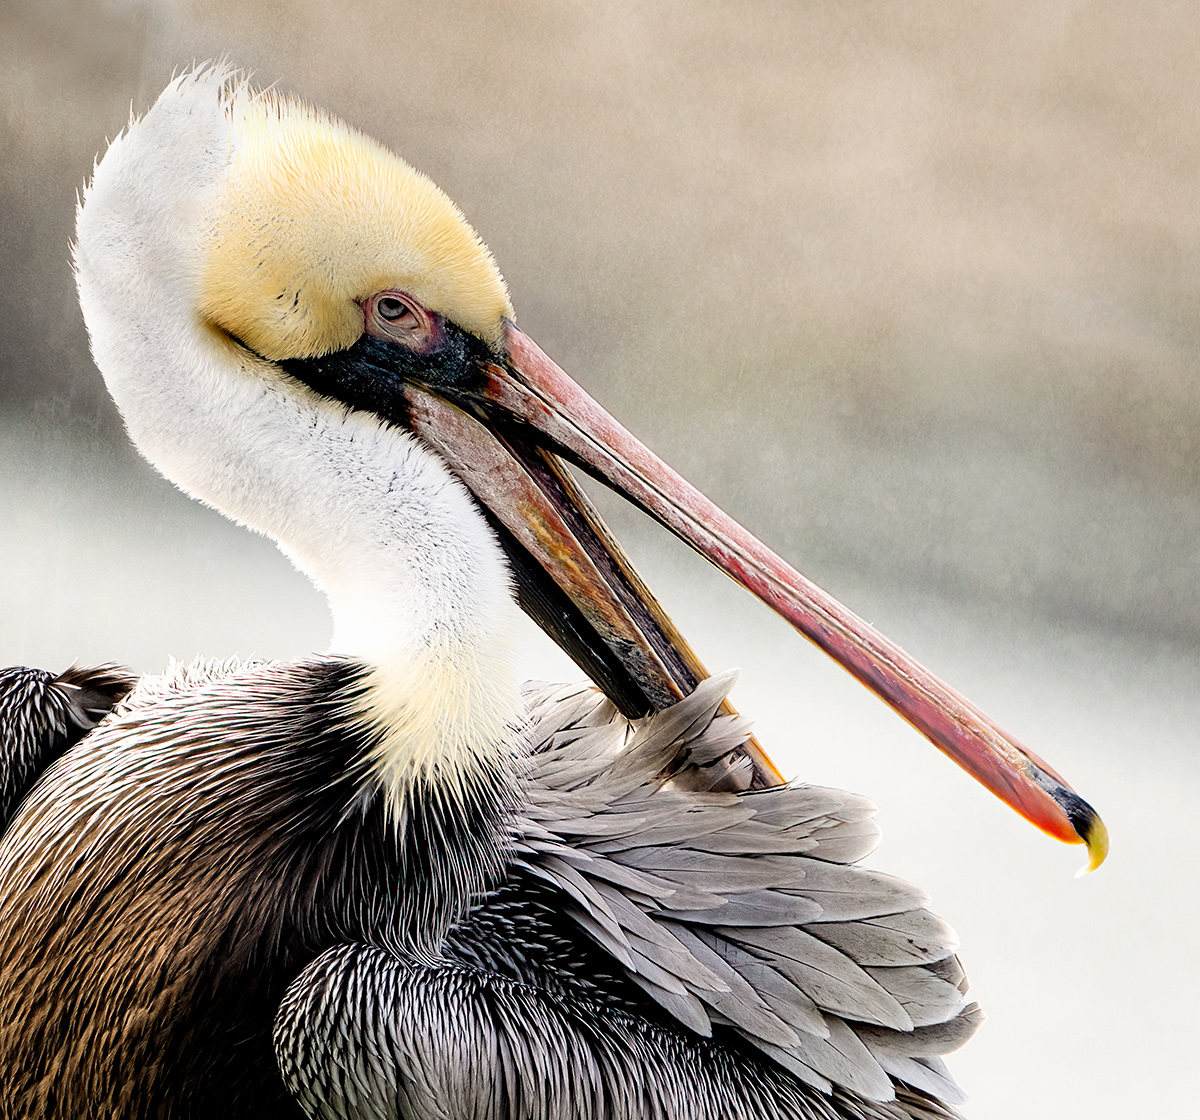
{"x": 530, "y": 403}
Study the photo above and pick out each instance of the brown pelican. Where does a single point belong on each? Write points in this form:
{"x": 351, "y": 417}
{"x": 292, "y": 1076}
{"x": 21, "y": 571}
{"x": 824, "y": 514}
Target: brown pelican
{"x": 381, "y": 882}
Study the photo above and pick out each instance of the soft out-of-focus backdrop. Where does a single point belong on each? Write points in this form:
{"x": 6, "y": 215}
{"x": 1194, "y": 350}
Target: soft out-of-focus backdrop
{"x": 910, "y": 289}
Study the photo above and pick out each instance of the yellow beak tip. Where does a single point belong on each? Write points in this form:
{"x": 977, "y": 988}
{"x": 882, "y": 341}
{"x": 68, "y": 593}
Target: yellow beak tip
{"x": 1096, "y": 839}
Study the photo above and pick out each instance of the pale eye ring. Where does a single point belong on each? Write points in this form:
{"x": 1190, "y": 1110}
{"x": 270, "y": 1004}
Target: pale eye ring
{"x": 394, "y": 316}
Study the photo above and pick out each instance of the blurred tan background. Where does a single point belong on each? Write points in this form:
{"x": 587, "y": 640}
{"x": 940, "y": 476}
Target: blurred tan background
{"x": 910, "y": 289}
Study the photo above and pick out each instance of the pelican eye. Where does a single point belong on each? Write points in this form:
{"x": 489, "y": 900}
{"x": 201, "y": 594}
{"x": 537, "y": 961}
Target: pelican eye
{"x": 392, "y": 309}
{"x": 395, "y": 317}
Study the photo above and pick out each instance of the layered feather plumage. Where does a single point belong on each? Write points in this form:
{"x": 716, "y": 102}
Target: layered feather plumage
{"x": 42, "y": 714}
{"x": 643, "y": 947}
{"x": 740, "y": 964}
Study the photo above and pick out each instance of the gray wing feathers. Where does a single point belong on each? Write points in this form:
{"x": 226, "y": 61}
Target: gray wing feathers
{"x": 733, "y": 912}
{"x": 42, "y": 714}
{"x": 364, "y": 1035}
{"x": 740, "y": 909}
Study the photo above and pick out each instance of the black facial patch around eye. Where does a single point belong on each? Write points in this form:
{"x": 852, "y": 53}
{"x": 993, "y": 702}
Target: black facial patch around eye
{"x": 371, "y": 374}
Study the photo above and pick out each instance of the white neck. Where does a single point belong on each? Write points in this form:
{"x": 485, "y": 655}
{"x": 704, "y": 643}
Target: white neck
{"x": 416, "y": 582}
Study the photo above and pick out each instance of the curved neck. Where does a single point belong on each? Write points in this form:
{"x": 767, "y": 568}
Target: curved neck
{"x": 408, "y": 563}
{"x": 416, "y": 582}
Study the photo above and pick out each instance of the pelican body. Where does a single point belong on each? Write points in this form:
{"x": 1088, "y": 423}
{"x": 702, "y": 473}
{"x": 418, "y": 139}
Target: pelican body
{"x": 385, "y": 881}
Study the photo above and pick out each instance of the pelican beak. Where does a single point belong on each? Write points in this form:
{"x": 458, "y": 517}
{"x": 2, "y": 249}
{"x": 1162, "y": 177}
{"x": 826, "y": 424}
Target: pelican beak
{"x": 506, "y": 435}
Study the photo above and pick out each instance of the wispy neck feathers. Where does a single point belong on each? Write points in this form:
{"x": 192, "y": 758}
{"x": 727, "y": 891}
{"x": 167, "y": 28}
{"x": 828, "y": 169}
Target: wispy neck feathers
{"x": 416, "y": 583}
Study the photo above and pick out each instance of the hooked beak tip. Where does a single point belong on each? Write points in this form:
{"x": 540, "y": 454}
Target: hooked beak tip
{"x": 1094, "y": 836}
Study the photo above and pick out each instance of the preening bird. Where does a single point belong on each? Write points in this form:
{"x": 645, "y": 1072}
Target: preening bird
{"x": 384, "y": 881}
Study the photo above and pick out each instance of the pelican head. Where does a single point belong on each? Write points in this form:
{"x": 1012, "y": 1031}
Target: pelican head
{"x": 303, "y": 331}
{"x": 315, "y": 220}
